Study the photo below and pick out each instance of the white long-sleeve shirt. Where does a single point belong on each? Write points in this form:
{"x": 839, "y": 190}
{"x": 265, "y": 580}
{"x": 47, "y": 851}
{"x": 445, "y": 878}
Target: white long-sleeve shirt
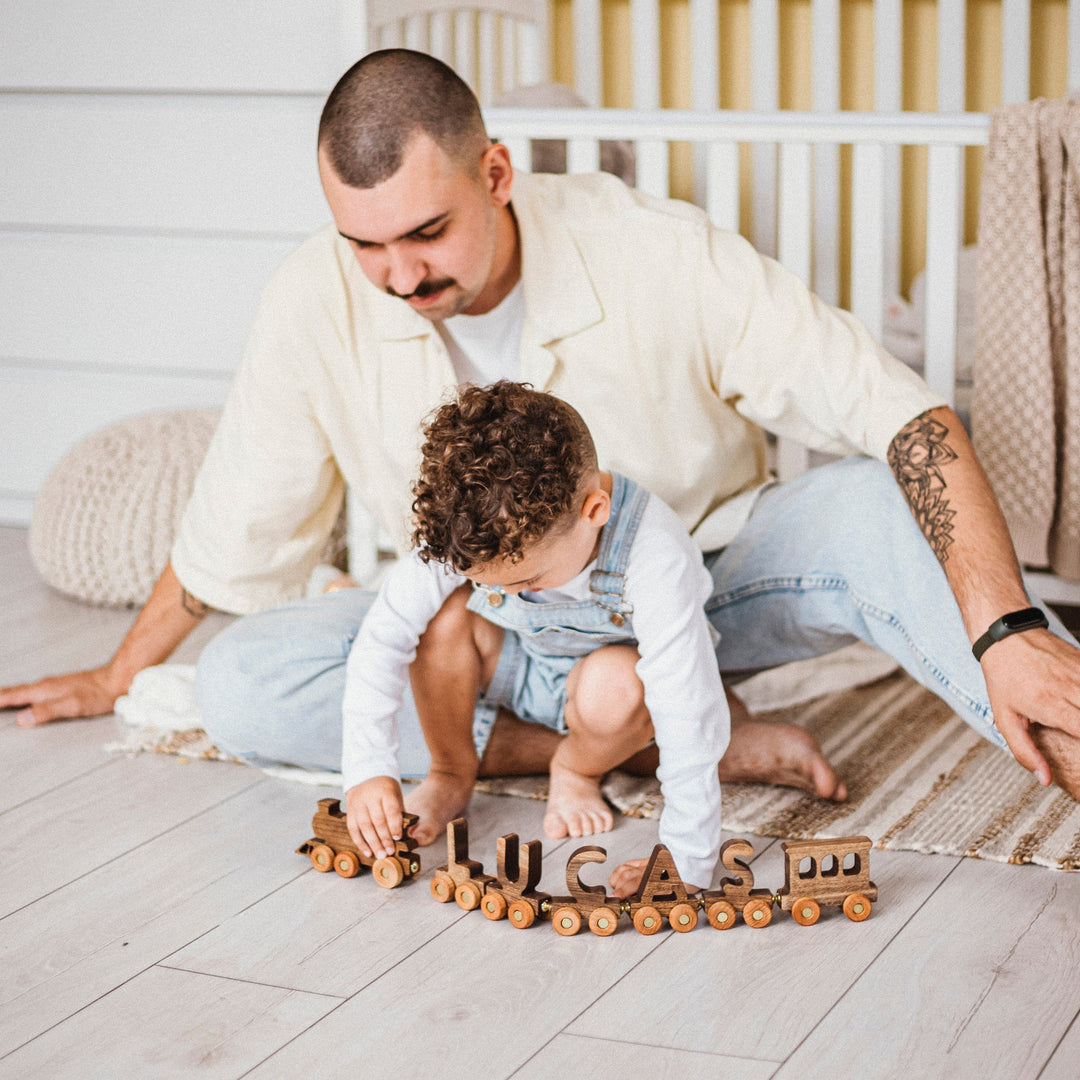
{"x": 667, "y": 584}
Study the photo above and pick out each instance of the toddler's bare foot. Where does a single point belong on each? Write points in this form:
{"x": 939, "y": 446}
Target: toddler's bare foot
{"x": 762, "y": 752}
{"x": 439, "y": 799}
{"x": 575, "y": 806}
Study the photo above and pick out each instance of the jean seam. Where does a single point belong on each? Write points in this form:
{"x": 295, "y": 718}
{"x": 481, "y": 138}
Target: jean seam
{"x": 837, "y": 583}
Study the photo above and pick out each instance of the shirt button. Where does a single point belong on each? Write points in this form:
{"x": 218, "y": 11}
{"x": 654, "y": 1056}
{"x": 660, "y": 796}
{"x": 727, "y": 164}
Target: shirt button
{"x": 617, "y": 619}
{"x": 495, "y": 599}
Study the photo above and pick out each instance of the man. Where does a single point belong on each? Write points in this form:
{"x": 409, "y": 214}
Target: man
{"x": 677, "y": 344}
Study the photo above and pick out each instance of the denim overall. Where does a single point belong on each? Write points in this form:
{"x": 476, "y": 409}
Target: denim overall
{"x": 548, "y": 639}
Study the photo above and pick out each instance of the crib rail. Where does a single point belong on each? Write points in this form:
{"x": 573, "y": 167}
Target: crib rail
{"x": 791, "y": 137}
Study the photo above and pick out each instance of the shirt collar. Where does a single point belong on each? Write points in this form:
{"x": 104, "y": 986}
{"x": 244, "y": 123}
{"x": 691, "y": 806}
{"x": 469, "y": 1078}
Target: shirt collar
{"x": 560, "y": 299}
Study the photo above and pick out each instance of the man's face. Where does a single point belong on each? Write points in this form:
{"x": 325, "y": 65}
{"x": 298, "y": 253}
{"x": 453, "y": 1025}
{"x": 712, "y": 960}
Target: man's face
{"x": 429, "y": 233}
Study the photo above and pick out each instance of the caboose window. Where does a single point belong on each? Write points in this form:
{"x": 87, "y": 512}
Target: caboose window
{"x": 852, "y": 863}
{"x": 830, "y": 867}
{"x": 807, "y": 868}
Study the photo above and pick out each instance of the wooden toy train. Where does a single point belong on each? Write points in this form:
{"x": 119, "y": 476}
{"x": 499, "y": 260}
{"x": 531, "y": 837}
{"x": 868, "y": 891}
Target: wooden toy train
{"x": 331, "y": 848}
{"x": 817, "y": 874}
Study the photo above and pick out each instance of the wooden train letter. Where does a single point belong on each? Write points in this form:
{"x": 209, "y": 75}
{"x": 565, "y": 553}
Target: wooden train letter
{"x": 588, "y": 902}
{"x": 737, "y": 893}
{"x": 660, "y": 893}
{"x": 462, "y": 879}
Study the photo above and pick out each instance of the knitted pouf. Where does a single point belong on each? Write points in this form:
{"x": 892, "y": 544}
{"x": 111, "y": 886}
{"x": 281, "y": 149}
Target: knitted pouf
{"x": 104, "y": 521}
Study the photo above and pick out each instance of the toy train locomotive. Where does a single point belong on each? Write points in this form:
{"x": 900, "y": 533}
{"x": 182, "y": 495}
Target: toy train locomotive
{"x": 817, "y": 874}
{"x": 331, "y": 848}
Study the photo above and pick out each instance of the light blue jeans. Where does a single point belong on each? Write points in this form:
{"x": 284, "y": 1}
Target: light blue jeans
{"x": 832, "y": 557}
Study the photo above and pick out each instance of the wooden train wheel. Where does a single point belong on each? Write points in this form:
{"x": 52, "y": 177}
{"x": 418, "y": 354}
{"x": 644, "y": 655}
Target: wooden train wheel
{"x": 442, "y": 887}
{"x": 567, "y": 921}
{"x": 468, "y": 895}
{"x": 757, "y": 913}
{"x": 857, "y": 907}
{"x": 322, "y": 858}
{"x": 647, "y": 920}
{"x": 603, "y": 921}
{"x": 493, "y": 906}
{"x": 683, "y": 918}
{"x": 721, "y": 914}
{"x": 347, "y": 863}
{"x": 521, "y": 914}
{"x": 806, "y": 912}
{"x": 388, "y": 872}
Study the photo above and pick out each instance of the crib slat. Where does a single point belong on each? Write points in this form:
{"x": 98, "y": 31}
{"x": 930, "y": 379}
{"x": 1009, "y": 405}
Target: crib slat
{"x": 441, "y": 33}
{"x": 704, "y": 80}
{"x": 825, "y": 89}
{"x": 1015, "y": 51}
{"x": 465, "y": 47}
{"x": 588, "y": 65}
{"x": 1074, "y": 45}
{"x": 945, "y": 172}
{"x": 486, "y": 36}
{"x": 765, "y": 97}
{"x": 867, "y": 234}
{"x": 722, "y": 184}
{"x": 794, "y": 240}
{"x": 645, "y": 52}
{"x": 582, "y": 155}
{"x": 520, "y": 151}
{"x": 951, "y": 65}
{"x": 794, "y": 217}
{"x": 416, "y": 36}
{"x": 532, "y": 49}
{"x": 888, "y": 98}
{"x": 652, "y": 167}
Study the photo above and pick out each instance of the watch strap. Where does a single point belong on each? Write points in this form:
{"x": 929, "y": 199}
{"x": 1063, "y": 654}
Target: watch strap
{"x": 1015, "y": 622}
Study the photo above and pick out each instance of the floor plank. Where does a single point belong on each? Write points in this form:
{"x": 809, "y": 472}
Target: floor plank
{"x": 978, "y": 985}
{"x": 168, "y": 1024}
{"x": 576, "y": 1055}
{"x": 56, "y": 838}
{"x": 767, "y": 996}
{"x": 1063, "y": 1065}
{"x": 81, "y": 941}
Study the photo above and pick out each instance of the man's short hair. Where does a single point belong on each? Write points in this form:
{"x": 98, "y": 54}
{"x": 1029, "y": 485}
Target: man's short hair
{"x": 503, "y": 466}
{"x": 383, "y": 101}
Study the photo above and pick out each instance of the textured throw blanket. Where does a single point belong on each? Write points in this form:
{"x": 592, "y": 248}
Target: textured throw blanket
{"x": 1026, "y": 405}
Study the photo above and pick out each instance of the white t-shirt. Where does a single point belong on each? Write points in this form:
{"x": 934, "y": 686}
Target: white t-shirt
{"x": 486, "y": 348}
{"x": 668, "y": 585}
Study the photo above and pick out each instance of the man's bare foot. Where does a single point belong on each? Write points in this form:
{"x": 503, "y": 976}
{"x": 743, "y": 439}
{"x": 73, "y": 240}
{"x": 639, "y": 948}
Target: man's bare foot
{"x": 575, "y": 806}
{"x": 785, "y": 754}
{"x": 439, "y": 799}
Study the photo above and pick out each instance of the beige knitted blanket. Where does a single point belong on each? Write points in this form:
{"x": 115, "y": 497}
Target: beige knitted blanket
{"x": 1026, "y": 405}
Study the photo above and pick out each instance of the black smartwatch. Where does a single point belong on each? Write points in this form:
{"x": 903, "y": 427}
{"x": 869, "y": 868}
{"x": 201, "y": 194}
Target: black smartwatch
{"x": 1029, "y": 618}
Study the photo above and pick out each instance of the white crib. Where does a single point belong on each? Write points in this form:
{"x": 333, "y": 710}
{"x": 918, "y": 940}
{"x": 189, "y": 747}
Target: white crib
{"x": 127, "y": 280}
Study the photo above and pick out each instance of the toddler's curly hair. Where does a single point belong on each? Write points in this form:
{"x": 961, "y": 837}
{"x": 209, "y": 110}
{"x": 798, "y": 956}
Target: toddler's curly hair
{"x": 502, "y": 466}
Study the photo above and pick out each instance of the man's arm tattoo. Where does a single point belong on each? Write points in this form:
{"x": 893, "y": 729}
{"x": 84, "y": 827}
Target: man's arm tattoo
{"x": 193, "y": 605}
{"x": 916, "y": 456}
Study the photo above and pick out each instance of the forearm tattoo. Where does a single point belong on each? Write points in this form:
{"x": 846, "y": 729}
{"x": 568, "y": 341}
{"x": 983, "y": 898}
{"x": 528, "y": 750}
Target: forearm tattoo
{"x": 192, "y": 605}
{"x": 916, "y": 456}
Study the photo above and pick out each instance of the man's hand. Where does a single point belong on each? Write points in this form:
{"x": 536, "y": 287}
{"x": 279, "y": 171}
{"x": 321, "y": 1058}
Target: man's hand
{"x": 373, "y": 812}
{"x": 62, "y": 697}
{"x": 1034, "y": 678}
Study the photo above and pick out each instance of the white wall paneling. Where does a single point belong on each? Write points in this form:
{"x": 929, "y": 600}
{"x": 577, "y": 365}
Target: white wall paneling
{"x": 47, "y": 410}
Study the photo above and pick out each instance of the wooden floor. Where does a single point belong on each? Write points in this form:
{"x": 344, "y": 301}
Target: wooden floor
{"x": 155, "y": 922}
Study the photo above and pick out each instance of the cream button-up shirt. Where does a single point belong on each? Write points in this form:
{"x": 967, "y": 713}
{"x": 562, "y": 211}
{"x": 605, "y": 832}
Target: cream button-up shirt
{"x": 675, "y": 341}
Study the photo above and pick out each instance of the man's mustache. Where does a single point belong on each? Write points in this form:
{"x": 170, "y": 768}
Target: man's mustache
{"x": 424, "y": 289}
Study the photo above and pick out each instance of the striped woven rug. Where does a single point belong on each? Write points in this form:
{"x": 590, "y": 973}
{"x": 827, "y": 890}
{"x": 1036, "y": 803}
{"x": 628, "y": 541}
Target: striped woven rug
{"x": 919, "y": 779}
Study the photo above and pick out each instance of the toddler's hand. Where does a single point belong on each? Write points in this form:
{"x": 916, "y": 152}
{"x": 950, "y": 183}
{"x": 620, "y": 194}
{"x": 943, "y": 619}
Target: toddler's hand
{"x": 625, "y": 879}
{"x": 373, "y": 812}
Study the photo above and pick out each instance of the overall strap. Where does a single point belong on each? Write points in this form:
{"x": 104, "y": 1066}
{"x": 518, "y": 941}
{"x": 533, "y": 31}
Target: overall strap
{"x": 608, "y": 580}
